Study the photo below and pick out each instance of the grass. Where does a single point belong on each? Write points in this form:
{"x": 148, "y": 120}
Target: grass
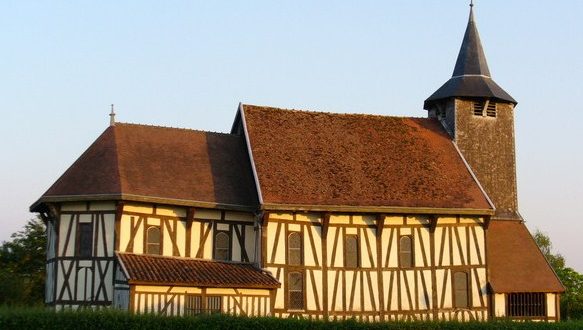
{"x": 44, "y": 318}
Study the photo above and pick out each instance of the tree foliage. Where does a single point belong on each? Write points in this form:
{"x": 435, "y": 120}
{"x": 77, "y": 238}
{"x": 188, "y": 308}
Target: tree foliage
{"x": 22, "y": 266}
{"x": 572, "y": 299}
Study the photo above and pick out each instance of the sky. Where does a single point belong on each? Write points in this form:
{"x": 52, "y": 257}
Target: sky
{"x": 189, "y": 63}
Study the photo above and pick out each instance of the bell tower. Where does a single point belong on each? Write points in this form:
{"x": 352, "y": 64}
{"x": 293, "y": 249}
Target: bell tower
{"x": 479, "y": 116}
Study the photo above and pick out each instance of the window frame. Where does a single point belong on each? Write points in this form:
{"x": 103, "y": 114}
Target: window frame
{"x": 411, "y": 252}
{"x": 229, "y": 247}
{"x": 81, "y": 240}
{"x": 454, "y": 289}
{"x": 147, "y": 242}
{"x": 289, "y": 290}
{"x": 519, "y": 302}
{"x": 357, "y": 252}
{"x": 301, "y": 248}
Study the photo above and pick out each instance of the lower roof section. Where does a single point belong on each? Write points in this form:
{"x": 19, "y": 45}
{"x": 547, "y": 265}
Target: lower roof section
{"x": 160, "y": 270}
{"x": 516, "y": 262}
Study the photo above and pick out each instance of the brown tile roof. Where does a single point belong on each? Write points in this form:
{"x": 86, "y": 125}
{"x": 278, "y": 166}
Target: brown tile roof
{"x": 515, "y": 261}
{"x": 317, "y": 158}
{"x": 161, "y": 163}
{"x": 148, "y": 269}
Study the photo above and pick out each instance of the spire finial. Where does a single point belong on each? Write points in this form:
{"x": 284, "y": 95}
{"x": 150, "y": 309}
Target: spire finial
{"x": 471, "y": 3}
{"x": 112, "y": 117}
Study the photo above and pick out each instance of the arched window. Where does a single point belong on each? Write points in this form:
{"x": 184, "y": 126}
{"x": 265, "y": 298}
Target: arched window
{"x": 294, "y": 249}
{"x": 405, "y": 251}
{"x": 351, "y": 252}
{"x": 153, "y": 240}
{"x": 222, "y": 243}
{"x": 295, "y": 290}
{"x": 460, "y": 287}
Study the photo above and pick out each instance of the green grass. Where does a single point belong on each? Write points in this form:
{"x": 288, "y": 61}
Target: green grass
{"x": 41, "y": 318}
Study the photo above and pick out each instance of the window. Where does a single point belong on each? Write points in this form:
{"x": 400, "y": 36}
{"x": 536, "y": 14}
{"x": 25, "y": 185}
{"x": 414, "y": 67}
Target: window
{"x": 478, "y": 108}
{"x": 531, "y": 304}
{"x": 214, "y": 304}
{"x": 491, "y": 109}
{"x": 351, "y": 252}
{"x": 193, "y": 305}
{"x": 153, "y": 240}
{"x": 406, "y": 251}
{"x": 295, "y": 290}
{"x": 222, "y": 243}
{"x": 84, "y": 240}
{"x": 460, "y": 285}
{"x": 484, "y": 109}
{"x": 294, "y": 249}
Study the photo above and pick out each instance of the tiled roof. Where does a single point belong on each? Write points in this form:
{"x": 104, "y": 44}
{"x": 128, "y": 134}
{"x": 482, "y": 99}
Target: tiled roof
{"x": 161, "y": 163}
{"x": 158, "y": 270}
{"x": 515, "y": 261}
{"x": 315, "y": 158}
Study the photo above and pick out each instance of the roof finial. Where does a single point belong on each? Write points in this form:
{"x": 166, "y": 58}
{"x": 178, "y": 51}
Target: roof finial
{"x": 112, "y": 117}
{"x": 471, "y": 3}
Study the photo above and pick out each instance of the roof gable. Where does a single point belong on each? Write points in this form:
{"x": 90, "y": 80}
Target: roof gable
{"x": 315, "y": 158}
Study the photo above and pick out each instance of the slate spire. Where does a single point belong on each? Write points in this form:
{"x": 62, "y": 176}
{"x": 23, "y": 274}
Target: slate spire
{"x": 471, "y": 75}
{"x": 471, "y": 59}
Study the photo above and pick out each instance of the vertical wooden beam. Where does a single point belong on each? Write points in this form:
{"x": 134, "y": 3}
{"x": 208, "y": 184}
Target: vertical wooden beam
{"x": 324, "y": 240}
{"x": 189, "y": 220}
{"x": 264, "y": 216}
{"x": 117, "y": 222}
{"x": 432, "y": 227}
{"x": 381, "y": 291}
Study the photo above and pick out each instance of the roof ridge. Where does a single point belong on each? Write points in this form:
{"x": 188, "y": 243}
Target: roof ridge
{"x": 173, "y": 128}
{"x": 316, "y": 112}
{"x": 185, "y": 258}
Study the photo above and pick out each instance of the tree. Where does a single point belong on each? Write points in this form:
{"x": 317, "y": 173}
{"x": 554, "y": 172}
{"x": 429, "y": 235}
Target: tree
{"x": 22, "y": 265}
{"x": 572, "y": 299}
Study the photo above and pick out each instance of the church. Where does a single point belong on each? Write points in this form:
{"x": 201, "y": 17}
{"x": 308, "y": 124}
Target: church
{"x": 306, "y": 214}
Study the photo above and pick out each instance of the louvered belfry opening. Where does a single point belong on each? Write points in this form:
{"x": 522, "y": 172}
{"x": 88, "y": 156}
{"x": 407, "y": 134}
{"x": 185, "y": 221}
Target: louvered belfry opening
{"x": 527, "y": 304}
{"x": 484, "y": 109}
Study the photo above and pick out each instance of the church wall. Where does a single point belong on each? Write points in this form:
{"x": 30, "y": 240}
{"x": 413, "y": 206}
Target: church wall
{"x": 380, "y": 287}
{"x": 75, "y": 278}
{"x": 184, "y": 235}
{"x": 182, "y": 301}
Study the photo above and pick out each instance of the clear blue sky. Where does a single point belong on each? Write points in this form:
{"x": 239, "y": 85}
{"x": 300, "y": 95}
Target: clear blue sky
{"x": 189, "y": 63}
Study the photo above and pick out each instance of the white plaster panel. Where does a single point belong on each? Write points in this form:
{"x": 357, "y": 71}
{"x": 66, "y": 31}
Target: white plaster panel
{"x": 102, "y": 206}
{"x": 339, "y": 219}
{"x": 446, "y": 220}
{"x": 207, "y": 214}
{"x": 394, "y": 221}
{"x": 405, "y": 231}
{"x": 417, "y": 220}
{"x": 250, "y": 235}
{"x": 195, "y": 237}
{"x": 282, "y": 216}
{"x": 138, "y": 208}
{"x": 393, "y": 254}
{"x": 208, "y": 244}
{"x": 68, "y": 207}
{"x": 223, "y": 226}
{"x": 294, "y": 227}
{"x": 239, "y": 216}
{"x": 85, "y": 218}
{"x": 175, "y": 212}
{"x": 181, "y": 237}
{"x": 308, "y": 217}
{"x": 551, "y": 308}
{"x": 499, "y": 305}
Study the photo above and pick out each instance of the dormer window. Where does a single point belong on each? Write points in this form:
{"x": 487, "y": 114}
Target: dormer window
{"x": 484, "y": 109}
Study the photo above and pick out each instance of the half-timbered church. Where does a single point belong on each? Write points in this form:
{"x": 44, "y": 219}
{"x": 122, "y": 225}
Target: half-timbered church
{"x": 303, "y": 213}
